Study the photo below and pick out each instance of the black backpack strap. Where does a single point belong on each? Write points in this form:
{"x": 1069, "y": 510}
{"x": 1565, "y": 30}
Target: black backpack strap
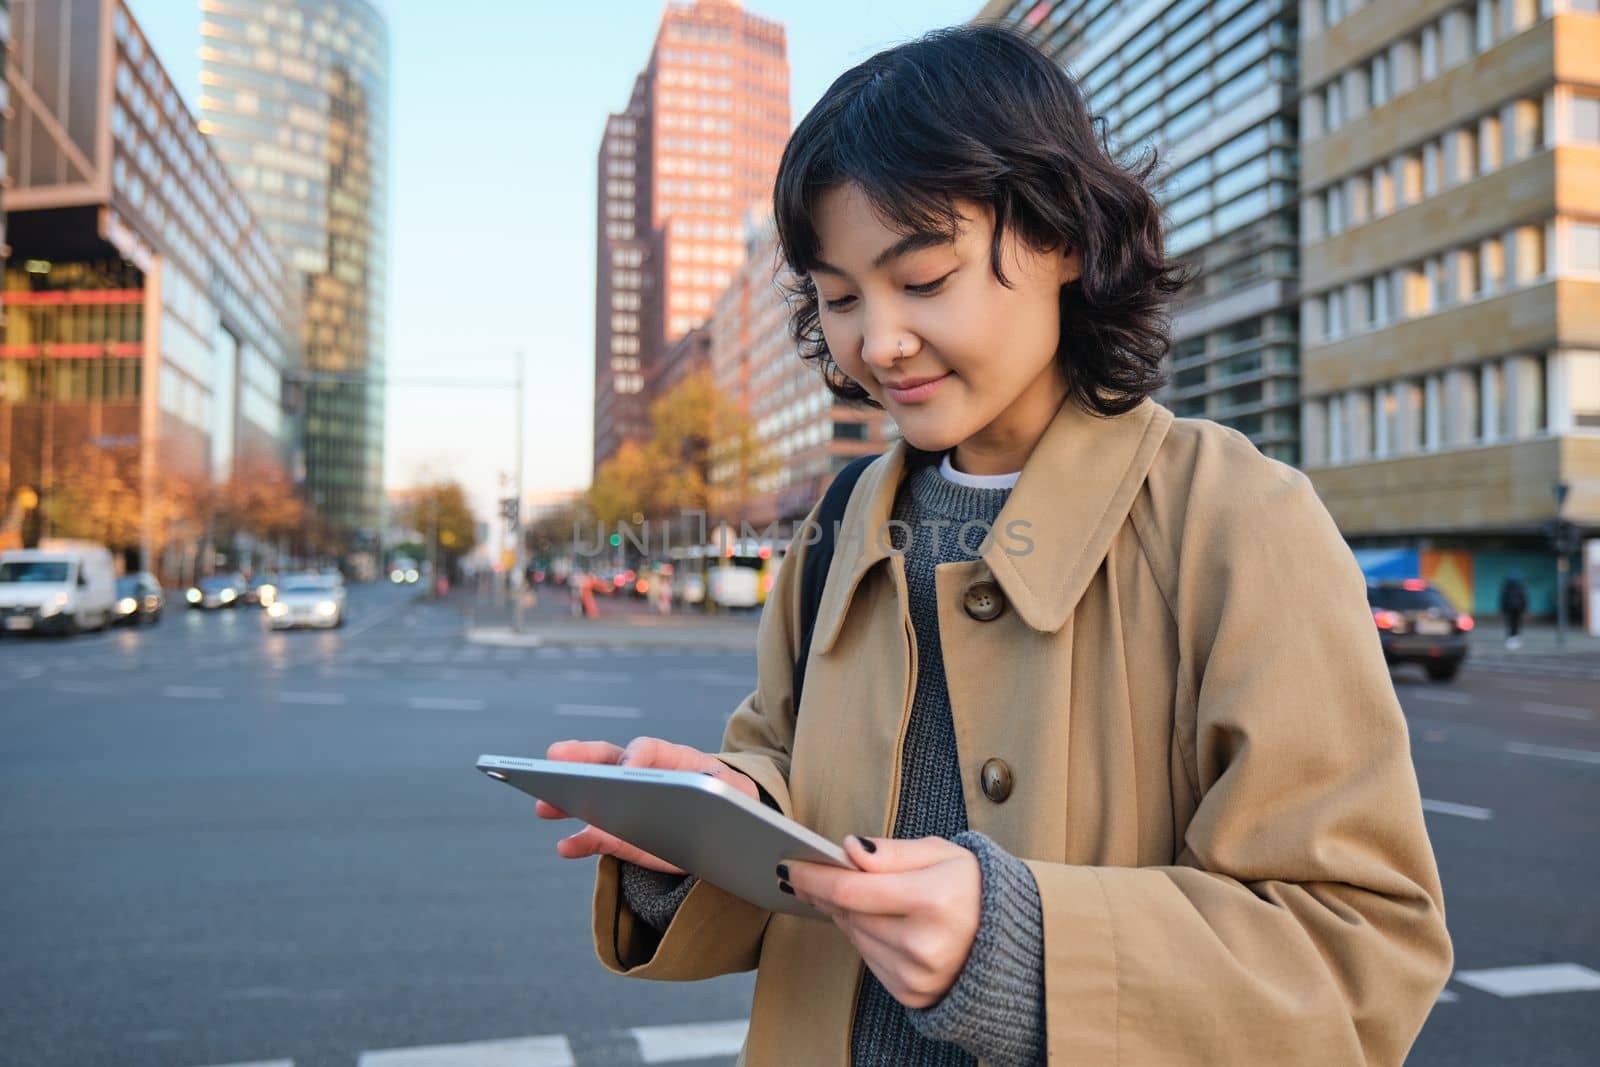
{"x": 814, "y": 575}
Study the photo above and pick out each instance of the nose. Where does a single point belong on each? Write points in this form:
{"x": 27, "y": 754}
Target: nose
{"x": 881, "y": 341}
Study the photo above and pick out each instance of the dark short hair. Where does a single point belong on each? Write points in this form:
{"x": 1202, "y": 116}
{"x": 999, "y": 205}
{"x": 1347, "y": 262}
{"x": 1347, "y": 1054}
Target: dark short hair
{"x": 977, "y": 113}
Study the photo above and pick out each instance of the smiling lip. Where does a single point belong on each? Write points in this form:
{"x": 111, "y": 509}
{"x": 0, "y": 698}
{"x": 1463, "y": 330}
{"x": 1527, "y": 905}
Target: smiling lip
{"x": 913, "y": 390}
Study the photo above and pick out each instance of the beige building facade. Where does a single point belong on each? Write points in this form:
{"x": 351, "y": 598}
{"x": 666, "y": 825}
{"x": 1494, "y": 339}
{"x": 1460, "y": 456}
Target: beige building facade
{"x": 1450, "y": 311}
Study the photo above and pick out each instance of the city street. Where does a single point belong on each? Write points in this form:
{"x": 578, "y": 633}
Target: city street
{"x": 230, "y": 846}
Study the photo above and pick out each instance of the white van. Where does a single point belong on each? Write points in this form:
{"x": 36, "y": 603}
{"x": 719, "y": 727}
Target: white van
{"x": 59, "y": 587}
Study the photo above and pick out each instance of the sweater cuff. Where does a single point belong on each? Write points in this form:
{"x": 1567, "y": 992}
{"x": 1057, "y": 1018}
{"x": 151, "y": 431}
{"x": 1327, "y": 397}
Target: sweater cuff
{"x": 654, "y": 896}
{"x": 995, "y": 1009}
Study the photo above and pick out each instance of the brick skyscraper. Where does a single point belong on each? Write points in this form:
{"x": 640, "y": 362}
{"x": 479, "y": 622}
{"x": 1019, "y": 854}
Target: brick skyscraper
{"x": 696, "y": 147}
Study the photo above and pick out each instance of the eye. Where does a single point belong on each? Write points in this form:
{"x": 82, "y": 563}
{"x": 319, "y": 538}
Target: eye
{"x": 841, "y": 304}
{"x": 929, "y": 288}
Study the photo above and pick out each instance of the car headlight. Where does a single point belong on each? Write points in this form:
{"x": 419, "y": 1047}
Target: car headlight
{"x": 326, "y": 607}
{"x": 194, "y": 596}
{"x": 268, "y": 594}
{"x": 277, "y": 609}
{"x": 127, "y": 605}
{"x": 397, "y": 576}
{"x": 227, "y": 595}
{"x": 411, "y": 576}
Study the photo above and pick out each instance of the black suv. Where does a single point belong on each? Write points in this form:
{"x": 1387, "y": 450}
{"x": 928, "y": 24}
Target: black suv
{"x": 1418, "y": 624}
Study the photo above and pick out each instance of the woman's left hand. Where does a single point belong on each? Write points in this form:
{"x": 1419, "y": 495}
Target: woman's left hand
{"x": 911, "y": 910}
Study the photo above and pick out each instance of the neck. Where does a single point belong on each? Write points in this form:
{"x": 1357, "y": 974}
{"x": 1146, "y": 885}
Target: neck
{"x": 1003, "y": 447}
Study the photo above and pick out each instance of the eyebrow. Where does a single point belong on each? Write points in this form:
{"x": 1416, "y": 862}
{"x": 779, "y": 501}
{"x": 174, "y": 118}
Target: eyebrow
{"x": 911, "y": 242}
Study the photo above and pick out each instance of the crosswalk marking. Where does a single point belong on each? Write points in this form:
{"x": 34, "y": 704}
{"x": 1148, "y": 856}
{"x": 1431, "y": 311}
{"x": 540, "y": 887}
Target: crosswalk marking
{"x": 327, "y": 699}
{"x": 445, "y": 704}
{"x": 1558, "y": 711}
{"x": 598, "y": 711}
{"x": 1572, "y": 755}
{"x": 1529, "y": 981}
{"x": 690, "y": 1041}
{"x": 1466, "y": 811}
{"x": 261, "y": 1063}
{"x": 548, "y": 1051}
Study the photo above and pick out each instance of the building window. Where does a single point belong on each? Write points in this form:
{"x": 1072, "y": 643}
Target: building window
{"x": 1529, "y": 254}
{"x": 1333, "y": 315}
{"x": 1333, "y": 106}
{"x": 1586, "y": 119}
{"x": 1491, "y": 266}
{"x": 1379, "y": 86}
{"x": 1586, "y": 248}
{"x": 1528, "y": 133}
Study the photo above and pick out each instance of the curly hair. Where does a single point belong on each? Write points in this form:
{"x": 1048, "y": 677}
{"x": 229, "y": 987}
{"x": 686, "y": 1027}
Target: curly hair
{"x": 976, "y": 113}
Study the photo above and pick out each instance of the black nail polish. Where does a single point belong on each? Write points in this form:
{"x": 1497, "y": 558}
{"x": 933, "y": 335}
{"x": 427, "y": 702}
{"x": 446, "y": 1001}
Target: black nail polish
{"x": 783, "y": 872}
{"x": 866, "y": 843}
{"x": 786, "y": 887}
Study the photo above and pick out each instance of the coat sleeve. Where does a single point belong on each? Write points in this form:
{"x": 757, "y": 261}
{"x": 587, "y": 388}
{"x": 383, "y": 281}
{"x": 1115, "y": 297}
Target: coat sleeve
{"x": 1302, "y": 921}
{"x": 714, "y": 932}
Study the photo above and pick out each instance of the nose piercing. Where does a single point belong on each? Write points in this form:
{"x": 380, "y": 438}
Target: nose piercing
{"x": 901, "y": 346}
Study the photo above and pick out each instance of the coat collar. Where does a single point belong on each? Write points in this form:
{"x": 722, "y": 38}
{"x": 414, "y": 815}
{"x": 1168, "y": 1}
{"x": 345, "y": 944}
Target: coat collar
{"x": 1075, "y": 491}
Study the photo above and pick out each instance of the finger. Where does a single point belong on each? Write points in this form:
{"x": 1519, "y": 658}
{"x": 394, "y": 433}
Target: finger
{"x": 593, "y": 841}
{"x": 893, "y": 893}
{"x": 664, "y": 755}
{"x": 546, "y": 810}
{"x": 896, "y": 854}
{"x": 583, "y": 752}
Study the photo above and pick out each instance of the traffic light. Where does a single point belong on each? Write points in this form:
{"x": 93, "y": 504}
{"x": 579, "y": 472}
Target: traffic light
{"x": 509, "y": 511}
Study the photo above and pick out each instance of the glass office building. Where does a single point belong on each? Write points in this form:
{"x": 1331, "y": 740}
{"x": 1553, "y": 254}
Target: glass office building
{"x": 147, "y": 316}
{"x": 294, "y": 95}
{"x": 1211, "y": 84}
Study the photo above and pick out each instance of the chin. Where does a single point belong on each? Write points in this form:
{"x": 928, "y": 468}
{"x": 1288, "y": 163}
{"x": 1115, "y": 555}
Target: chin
{"x": 929, "y": 434}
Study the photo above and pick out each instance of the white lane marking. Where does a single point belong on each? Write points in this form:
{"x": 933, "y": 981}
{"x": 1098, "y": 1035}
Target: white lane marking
{"x": 445, "y": 704}
{"x": 1558, "y": 711}
{"x": 1466, "y": 811}
{"x": 690, "y": 1041}
{"x": 598, "y": 711}
{"x": 1438, "y": 696}
{"x": 586, "y": 652}
{"x": 1528, "y": 981}
{"x": 549, "y": 1051}
{"x": 326, "y": 699}
{"x": 596, "y": 676}
{"x": 261, "y": 1063}
{"x": 710, "y": 678}
{"x": 85, "y": 688}
{"x": 192, "y": 692}
{"x": 1447, "y": 997}
{"x": 1573, "y": 755}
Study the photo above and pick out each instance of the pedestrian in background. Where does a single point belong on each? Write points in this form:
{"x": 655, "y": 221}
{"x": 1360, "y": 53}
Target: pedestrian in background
{"x": 1513, "y": 602}
{"x": 1125, "y": 780}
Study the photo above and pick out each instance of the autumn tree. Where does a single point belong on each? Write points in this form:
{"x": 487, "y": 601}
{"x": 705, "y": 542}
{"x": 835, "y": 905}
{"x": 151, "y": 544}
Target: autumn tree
{"x": 703, "y": 455}
{"x": 441, "y": 514}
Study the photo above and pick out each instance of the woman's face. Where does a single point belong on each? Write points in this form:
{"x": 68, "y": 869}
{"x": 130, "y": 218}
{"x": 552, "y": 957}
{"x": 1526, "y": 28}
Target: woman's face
{"x": 957, "y": 359}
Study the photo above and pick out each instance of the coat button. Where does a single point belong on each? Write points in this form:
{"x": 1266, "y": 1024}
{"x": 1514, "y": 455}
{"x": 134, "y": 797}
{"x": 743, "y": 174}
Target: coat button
{"x": 996, "y": 777}
{"x": 983, "y": 601}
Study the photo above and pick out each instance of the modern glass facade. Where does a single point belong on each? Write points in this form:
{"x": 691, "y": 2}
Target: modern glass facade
{"x": 1211, "y": 84}
{"x": 146, "y": 314}
{"x": 294, "y": 95}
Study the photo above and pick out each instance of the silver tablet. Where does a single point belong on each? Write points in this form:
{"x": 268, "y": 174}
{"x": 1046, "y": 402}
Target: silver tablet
{"x": 691, "y": 820}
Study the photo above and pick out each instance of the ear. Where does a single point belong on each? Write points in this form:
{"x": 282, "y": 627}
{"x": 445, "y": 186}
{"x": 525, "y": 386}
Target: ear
{"x": 1071, "y": 266}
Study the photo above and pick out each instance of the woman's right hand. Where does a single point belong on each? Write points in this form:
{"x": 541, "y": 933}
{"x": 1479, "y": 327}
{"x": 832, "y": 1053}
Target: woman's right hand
{"x": 640, "y": 752}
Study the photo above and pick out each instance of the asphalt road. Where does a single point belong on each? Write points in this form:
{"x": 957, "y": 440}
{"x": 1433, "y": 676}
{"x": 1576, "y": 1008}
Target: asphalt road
{"x": 224, "y": 845}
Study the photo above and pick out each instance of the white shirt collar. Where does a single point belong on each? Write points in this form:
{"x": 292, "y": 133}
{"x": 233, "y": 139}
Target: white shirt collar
{"x": 976, "y": 481}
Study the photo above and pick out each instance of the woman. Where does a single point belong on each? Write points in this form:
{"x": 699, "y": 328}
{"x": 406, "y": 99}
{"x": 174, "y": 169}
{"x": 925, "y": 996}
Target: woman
{"x": 1125, "y": 776}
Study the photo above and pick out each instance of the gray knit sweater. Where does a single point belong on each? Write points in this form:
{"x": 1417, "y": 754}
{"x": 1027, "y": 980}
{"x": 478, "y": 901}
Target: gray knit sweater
{"x": 995, "y": 1010}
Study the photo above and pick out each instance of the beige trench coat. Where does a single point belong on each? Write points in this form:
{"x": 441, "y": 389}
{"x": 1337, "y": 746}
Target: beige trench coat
{"x": 1212, "y": 777}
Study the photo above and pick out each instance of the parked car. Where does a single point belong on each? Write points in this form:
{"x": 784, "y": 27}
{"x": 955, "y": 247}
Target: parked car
{"x": 59, "y": 587}
{"x": 308, "y": 600}
{"x": 218, "y": 591}
{"x": 1418, "y": 624}
{"x": 139, "y": 599}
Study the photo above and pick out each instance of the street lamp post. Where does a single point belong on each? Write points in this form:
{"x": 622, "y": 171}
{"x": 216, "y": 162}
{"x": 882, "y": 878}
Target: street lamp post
{"x": 516, "y": 523}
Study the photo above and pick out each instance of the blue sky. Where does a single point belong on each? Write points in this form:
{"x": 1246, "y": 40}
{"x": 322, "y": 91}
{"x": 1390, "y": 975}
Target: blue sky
{"x": 497, "y": 108}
